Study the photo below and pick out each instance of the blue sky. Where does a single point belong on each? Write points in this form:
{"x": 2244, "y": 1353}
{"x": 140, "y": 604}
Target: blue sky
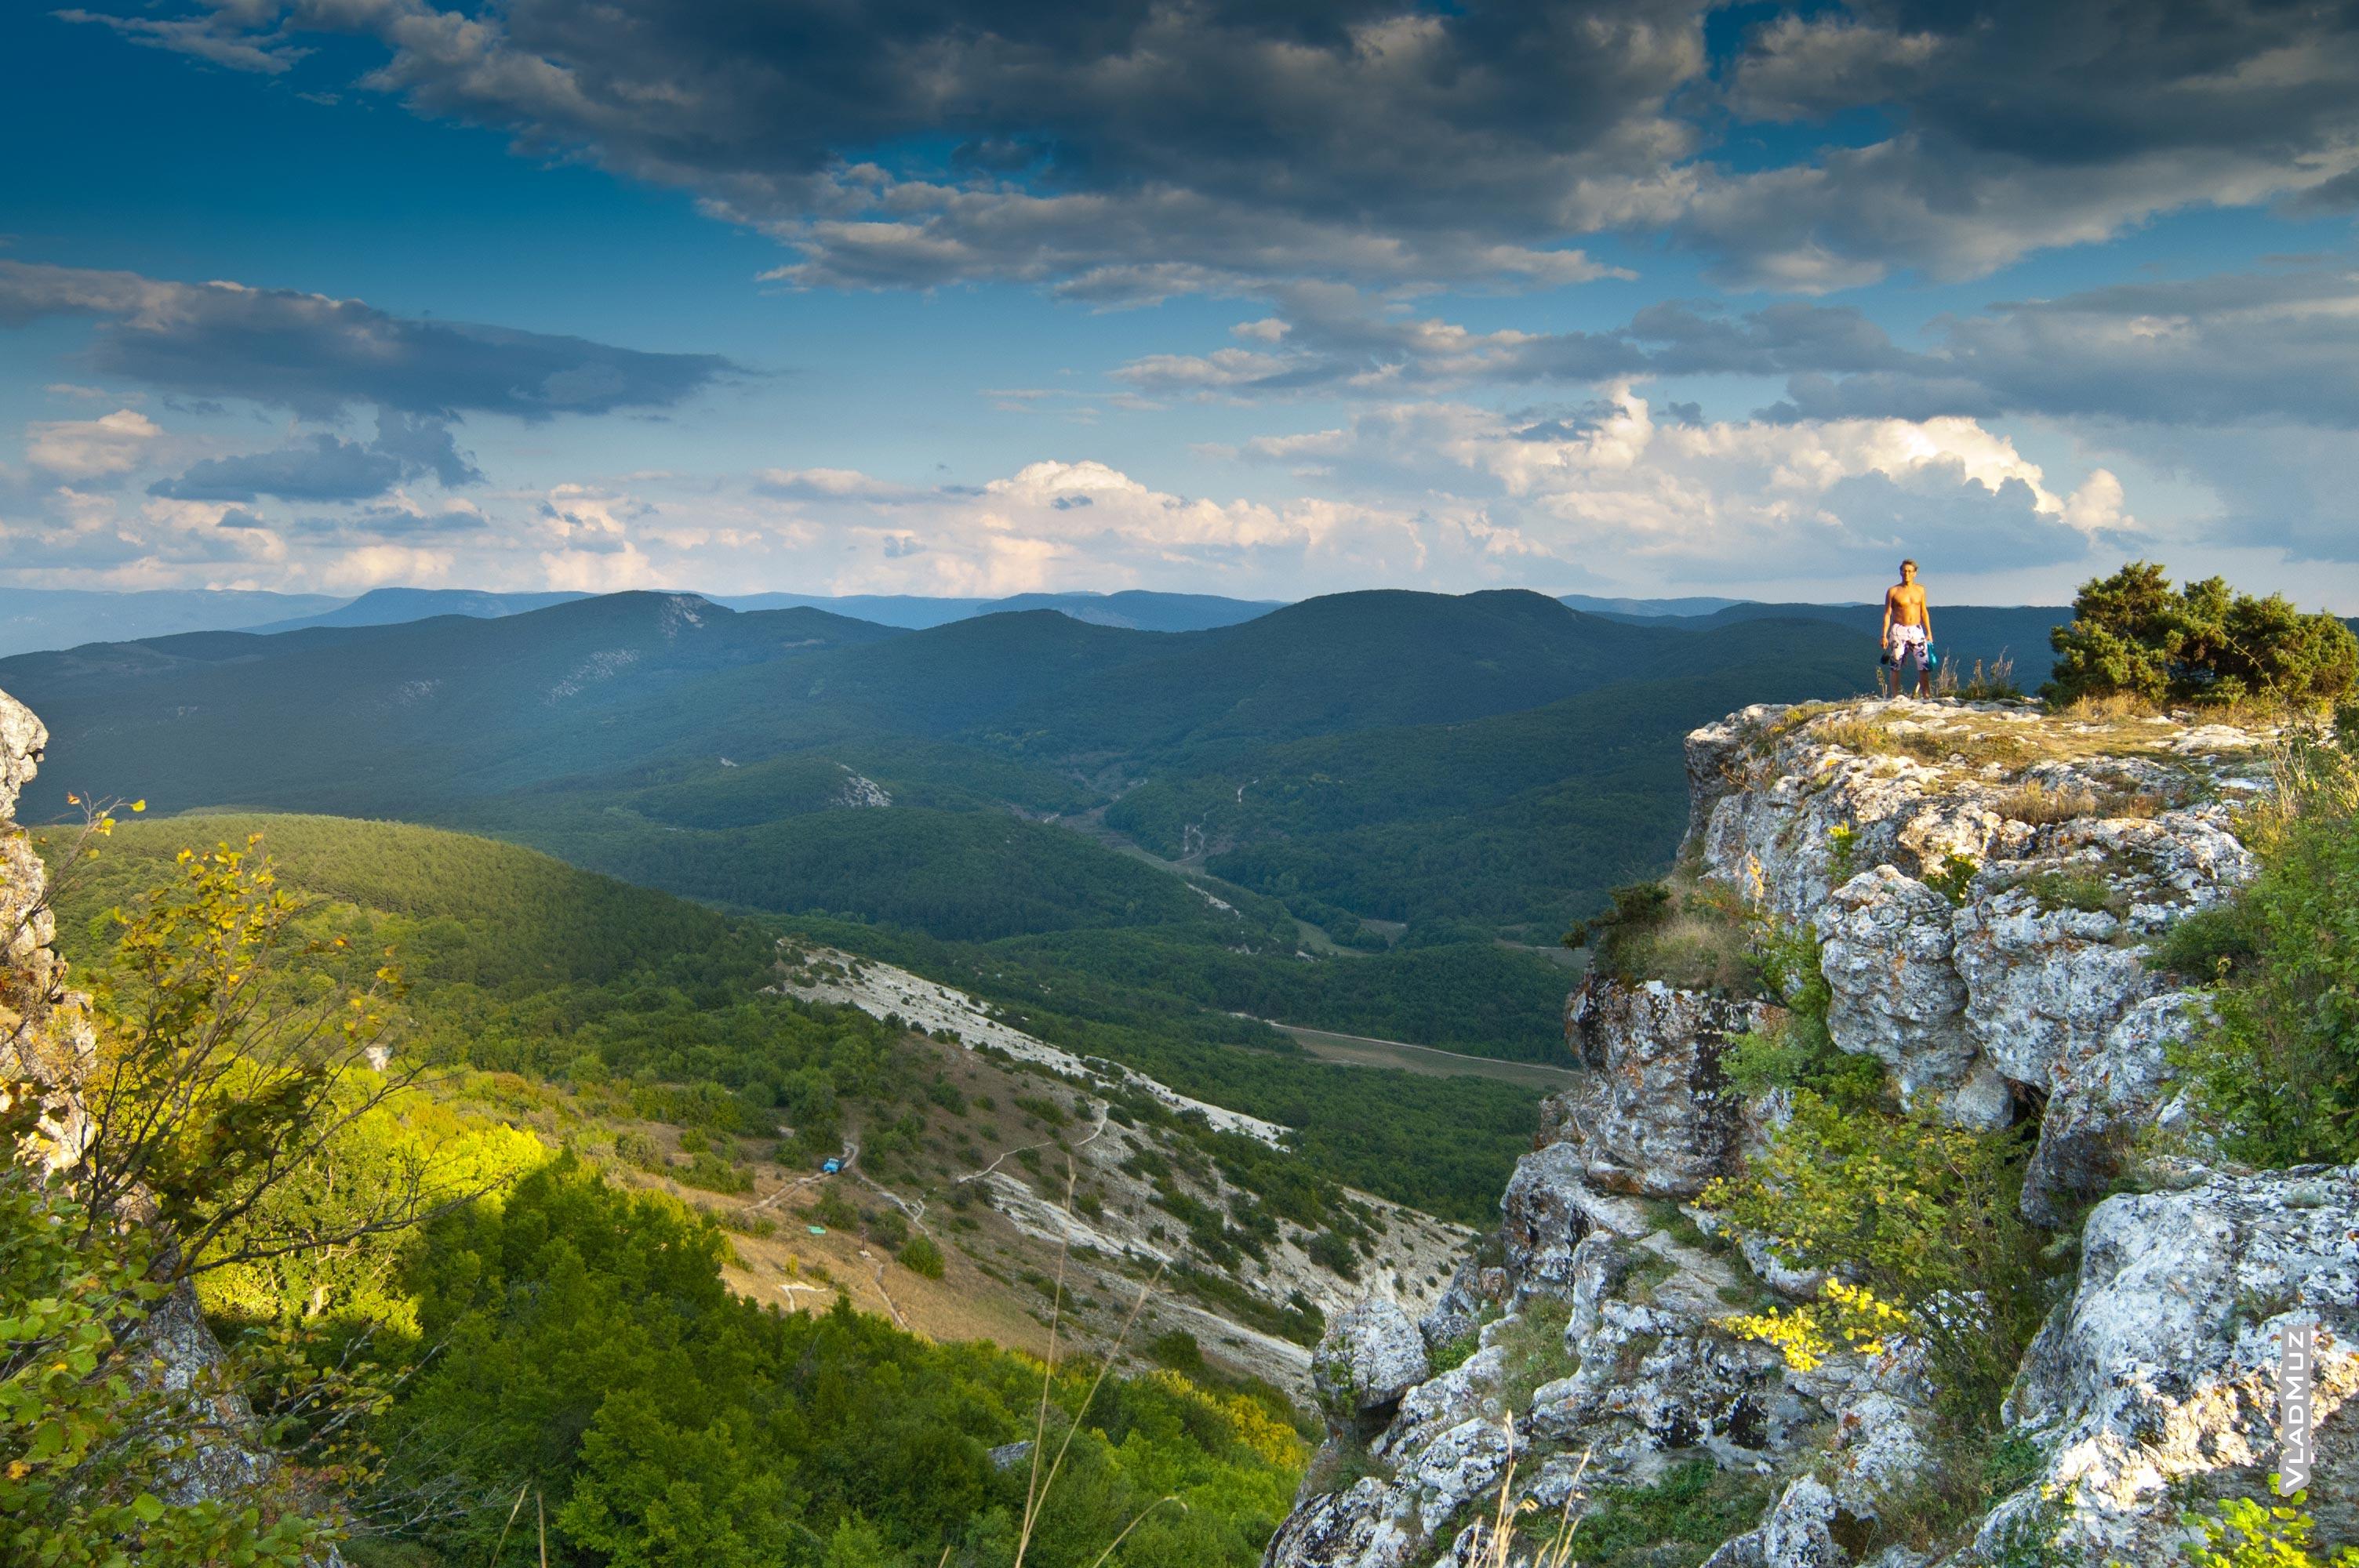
{"x": 1257, "y": 299}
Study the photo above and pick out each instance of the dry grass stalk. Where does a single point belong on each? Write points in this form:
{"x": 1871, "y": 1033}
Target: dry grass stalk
{"x": 2111, "y": 706}
{"x": 1037, "y": 1488}
{"x": 1505, "y": 1538}
{"x": 2037, "y": 804}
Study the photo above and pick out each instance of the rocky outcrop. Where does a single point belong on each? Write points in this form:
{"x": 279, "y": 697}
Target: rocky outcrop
{"x": 45, "y": 1030}
{"x": 1987, "y": 886}
{"x": 1370, "y": 1357}
{"x": 1657, "y": 1115}
{"x": 1601, "y": 1348}
{"x": 47, "y": 1041}
{"x": 2158, "y": 1378}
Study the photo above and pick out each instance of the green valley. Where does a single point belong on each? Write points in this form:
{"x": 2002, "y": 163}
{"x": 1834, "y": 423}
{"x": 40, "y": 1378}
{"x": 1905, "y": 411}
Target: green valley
{"x": 1414, "y": 776}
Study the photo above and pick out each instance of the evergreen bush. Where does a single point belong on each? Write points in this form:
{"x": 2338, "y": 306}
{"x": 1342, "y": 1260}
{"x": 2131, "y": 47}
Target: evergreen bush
{"x": 2133, "y": 635}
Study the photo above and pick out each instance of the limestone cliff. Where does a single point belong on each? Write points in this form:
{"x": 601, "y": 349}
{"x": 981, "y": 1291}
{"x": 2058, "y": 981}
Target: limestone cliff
{"x": 44, "y": 1031}
{"x": 1985, "y": 884}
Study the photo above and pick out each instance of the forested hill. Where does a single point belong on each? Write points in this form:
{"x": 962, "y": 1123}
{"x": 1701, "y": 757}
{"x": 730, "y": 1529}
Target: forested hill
{"x": 386, "y": 719}
{"x": 1373, "y": 812}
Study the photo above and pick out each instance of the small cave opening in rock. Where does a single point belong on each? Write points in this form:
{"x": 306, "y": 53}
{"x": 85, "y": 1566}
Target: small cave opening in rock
{"x": 2029, "y": 1108}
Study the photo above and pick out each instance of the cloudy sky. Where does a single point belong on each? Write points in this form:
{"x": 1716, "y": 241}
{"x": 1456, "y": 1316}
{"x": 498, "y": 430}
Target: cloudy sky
{"x": 1265, "y": 298}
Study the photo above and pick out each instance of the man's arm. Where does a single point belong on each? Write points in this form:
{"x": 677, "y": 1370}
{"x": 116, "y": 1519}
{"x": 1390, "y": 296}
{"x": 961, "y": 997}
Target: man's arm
{"x": 1925, "y": 615}
{"x": 1883, "y": 632}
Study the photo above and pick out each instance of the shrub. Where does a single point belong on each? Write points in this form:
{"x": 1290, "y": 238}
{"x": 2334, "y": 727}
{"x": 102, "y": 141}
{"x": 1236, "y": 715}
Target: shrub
{"x": 2242, "y": 1533}
{"x": 2072, "y": 888}
{"x": 93, "y": 1451}
{"x": 634, "y": 1148}
{"x": 2131, "y": 635}
{"x": 1331, "y": 1250}
{"x": 887, "y": 1226}
{"x": 1918, "y": 1220}
{"x": 1796, "y": 1051}
{"x": 1177, "y": 1349}
{"x": 1687, "y": 934}
{"x": 2276, "y": 1069}
{"x": 713, "y": 1174}
{"x": 920, "y": 1256}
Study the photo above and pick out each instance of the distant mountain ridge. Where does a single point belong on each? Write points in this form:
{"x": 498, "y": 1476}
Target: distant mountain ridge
{"x": 1135, "y": 610}
{"x": 34, "y": 620}
{"x": 394, "y": 606}
{"x": 707, "y": 750}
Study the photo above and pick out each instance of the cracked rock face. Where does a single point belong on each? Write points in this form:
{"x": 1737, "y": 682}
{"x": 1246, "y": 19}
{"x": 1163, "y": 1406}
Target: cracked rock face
{"x": 1350, "y": 1528}
{"x": 1657, "y": 1115}
{"x": 2022, "y": 977}
{"x": 1370, "y": 1356}
{"x": 46, "y": 1037}
{"x": 1985, "y": 922}
{"x": 2162, "y": 1368}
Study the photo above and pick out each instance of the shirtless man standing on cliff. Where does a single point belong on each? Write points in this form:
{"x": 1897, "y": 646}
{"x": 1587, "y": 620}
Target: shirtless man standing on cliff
{"x": 1907, "y": 630}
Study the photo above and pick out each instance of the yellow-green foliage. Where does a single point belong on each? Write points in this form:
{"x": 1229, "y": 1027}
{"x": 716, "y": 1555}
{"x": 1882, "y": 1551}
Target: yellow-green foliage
{"x": 1922, "y": 1217}
{"x": 589, "y": 1349}
{"x": 450, "y": 1155}
{"x": 1805, "y": 1335}
{"x": 555, "y": 1340}
{"x": 90, "y": 1447}
{"x": 2243, "y": 1533}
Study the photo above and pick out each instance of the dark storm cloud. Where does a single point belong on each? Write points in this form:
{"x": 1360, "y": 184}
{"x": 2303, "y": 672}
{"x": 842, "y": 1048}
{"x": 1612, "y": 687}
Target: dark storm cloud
{"x": 1136, "y": 149}
{"x": 1121, "y": 151}
{"x": 2025, "y": 123}
{"x": 319, "y": 356}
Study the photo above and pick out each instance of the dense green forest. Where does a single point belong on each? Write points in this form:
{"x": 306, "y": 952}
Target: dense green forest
{"x": 1381, "y": 756}
{"x": 1405, "y": 773}
{"x": 517, "y": 962}
{"x": 549, "y": 1369}
{"x": 591, "y": 1354}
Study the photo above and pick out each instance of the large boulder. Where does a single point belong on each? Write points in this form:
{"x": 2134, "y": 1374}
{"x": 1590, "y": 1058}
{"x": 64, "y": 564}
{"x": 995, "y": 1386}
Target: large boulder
{"x": 2158, "y": 1378}
{"x": 1546, "y": 1210}
{"x": 1370, "y": 1356}
{"x": 1358, "y": 1526}
{"x": 1895, "y": 993}
{"x": 2105, "y": 1093}
{"x": 1656, "y": 1115}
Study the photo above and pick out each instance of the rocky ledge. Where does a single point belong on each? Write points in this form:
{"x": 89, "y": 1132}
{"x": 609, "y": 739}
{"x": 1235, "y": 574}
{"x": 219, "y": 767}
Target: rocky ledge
{"x": 1986, "y": 885}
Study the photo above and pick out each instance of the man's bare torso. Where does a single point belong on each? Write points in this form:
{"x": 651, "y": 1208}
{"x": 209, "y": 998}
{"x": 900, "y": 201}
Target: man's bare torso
{"x": 1906, "y": 603}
